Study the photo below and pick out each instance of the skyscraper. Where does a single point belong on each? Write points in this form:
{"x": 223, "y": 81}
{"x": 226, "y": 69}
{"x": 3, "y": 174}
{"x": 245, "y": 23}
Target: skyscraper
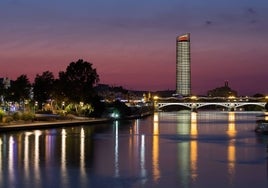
{"x": 183, "y": 65}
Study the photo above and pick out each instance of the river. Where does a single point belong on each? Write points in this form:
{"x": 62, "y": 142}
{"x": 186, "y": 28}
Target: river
{"x": 169, "y": 149}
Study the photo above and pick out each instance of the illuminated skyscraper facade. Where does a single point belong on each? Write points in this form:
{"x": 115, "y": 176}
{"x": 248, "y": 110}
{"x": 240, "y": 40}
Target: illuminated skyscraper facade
{"x": 183, "y": 65}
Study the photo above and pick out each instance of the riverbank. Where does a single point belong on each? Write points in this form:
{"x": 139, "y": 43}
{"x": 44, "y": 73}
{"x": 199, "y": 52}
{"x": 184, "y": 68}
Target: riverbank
{"x": 24, "y": 125}
{"x": 17, "y": 126}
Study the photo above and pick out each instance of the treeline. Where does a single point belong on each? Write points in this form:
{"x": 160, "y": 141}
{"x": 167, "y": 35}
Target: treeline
{"x": 73, "y": 90}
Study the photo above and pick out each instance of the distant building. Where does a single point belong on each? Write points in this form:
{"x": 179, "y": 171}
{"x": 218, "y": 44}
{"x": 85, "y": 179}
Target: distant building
{"x": 224, "y": 91}
{"x": 183, "y": 65}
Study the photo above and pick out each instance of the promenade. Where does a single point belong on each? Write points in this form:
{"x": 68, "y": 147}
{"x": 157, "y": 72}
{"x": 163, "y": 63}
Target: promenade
{"x": 50, "y": 124}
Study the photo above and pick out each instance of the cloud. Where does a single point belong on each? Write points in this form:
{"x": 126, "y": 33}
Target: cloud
{"x": 251, "y": 11}
{"x": 251, "y": 15}
{"x": 208, "y": 22}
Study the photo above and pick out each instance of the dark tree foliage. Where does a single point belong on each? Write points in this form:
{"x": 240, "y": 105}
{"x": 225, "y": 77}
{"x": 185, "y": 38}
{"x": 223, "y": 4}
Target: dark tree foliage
{"x": 266, "y": 106}
{"x": 2, "y": 89}
{"x": 258, "y": 95}
{"x": 43, "y": 87}
{"x": 3, "y": 92}
{"x": 78, "y": 80}
{"x": 98, "y": 106}
{"x": 20, "y": 89}
{"x": 122, "y": 108}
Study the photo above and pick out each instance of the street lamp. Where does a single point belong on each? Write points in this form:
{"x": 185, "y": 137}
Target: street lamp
{"x": 155, "y": 101}
{"x": 62, "y": 105}
{"x": 156, "y": 97}
{"x": 35, "y": 106}
{"x": 194, "y": 97}
{"x": 231, "y": 97}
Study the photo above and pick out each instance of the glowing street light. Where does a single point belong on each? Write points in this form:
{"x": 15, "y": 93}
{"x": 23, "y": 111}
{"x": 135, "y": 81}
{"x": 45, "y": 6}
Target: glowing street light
{"x": 194, "y": 97}
{"x": 156, "y": 97}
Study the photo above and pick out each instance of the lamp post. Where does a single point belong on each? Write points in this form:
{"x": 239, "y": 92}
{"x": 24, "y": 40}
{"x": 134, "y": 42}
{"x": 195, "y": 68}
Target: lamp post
{"x": 155, "y": 102}
{"x": 62, "y": 105}
{"x": 35, "y": 106}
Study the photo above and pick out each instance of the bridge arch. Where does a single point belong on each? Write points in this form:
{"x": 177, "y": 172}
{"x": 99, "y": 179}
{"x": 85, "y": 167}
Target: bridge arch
{"x": 197, "y": 105}
{"x": 226, "y": 105}
{"x": 162, "y": 105}
{"x": 255, "y": 104}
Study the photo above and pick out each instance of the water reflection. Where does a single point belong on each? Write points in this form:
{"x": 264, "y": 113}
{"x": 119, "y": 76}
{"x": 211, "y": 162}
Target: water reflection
{"x": 49, "y": 147}
{"x": 116, "y": 151}
{"x": 26, "y": 154}
{"x": 194, "y": 130}
{"x": 63, "y": 157}
{"x": 193, "y": 146}
{"x": 188, "y": 151}
{"x": 11, "y": 158}
{"x": 155, "y": 148}
{"x": 231, "y": 125}
{"x": 231, "y": 145}
{"x": 37, "y": 134}
{"x": 178, "y": 149}
{"x": 82, "y": 155}
{"x": 183, "y": 122}
{"x": 142, "y": 159}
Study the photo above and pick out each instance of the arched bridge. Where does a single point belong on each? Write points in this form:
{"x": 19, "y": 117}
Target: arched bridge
{"x": 195, "y": 105}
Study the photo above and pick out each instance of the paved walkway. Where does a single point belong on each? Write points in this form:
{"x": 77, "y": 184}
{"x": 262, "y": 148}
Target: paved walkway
{"x": 50, "y": 124}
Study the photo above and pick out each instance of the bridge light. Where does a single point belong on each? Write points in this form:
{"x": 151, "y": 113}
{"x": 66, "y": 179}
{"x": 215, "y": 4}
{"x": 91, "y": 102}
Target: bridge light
{"x": 231, "y": 97}
{"x": 156, "y": 97}
{"x": 194, "y": 97}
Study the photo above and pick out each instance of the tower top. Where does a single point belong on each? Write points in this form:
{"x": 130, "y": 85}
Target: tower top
{"x": 185, "y": 37}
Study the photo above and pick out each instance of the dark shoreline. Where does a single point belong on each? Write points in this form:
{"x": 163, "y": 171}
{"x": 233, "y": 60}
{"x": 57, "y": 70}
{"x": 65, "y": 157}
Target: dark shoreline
{"x": 51, "y": 124}
{"x": 63, "y": 123}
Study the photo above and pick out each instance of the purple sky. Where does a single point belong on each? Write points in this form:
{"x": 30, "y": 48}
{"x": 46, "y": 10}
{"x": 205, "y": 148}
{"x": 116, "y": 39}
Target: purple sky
{"x": 132, "y": 43}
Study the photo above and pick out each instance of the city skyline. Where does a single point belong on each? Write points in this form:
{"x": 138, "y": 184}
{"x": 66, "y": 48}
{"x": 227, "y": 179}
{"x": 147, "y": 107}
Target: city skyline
{"x": 131, "y": 44}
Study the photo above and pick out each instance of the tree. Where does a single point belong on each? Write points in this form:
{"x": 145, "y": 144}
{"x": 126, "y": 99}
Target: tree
{"x": 257, "y": 95}
{"x": 2, "y": 89}
{"x": 78, "y": 80}
{"x": 266, "y": 106}
{"x": 20, "y": 89}
{"x": 2, "y": 95}
{"x": 121, "y": 108}
{"x": 43, "y": 87}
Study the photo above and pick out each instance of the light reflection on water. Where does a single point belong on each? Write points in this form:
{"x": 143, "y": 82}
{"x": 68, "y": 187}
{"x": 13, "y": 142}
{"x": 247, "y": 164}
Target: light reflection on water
{"x": 175, "y": 149}
{"x": 155, "y": 149}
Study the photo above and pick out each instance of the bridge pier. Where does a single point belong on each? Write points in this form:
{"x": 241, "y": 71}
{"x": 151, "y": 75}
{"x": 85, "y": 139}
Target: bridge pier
{"x": 193, "y": 107}
{"x": 232, "y": 107}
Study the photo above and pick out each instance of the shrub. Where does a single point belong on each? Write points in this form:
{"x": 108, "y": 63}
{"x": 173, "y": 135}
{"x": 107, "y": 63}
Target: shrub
{"x": 8, "y": 119}
{"x": 17, "y": 116}
{"x": 27, "y": 116}
{"x": 2, "y": 113}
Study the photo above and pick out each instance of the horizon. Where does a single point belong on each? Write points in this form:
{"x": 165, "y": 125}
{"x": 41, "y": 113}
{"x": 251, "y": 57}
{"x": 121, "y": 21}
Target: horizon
{"x": 133, "y": 44}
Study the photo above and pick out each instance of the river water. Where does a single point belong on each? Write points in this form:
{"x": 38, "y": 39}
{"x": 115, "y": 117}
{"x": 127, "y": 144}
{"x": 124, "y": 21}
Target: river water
{"x": 168, "y": 149}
